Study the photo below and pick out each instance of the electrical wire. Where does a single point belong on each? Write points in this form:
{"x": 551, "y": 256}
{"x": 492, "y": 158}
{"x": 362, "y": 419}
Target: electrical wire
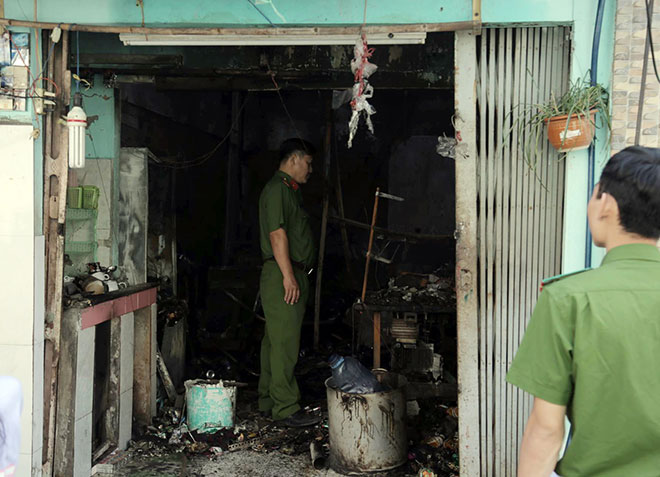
{"x": 206, "y": 156}
{"x": 30, "y": 92}
{"x": 78, "y": 61}
{"x": 43, "y": 68}
{"x": 50, "y": 53}
{"x": 35, "y": 118}
{"x": 96, "y": 95}
{"x": 649, "y": 20}
{"x": 286, "y": 110}
{"x": 262, "y": 13}
{"x": 82, "y": 80}
{"x": 642, "y": 85}
{"x": 43, "y": 78}
{"x": 141, "y": 3}
{"x": 7, "y": 92}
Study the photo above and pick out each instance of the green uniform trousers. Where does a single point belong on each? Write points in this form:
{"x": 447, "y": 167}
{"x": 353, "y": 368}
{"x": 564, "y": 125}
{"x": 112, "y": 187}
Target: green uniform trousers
{"x": 278, "y": 389}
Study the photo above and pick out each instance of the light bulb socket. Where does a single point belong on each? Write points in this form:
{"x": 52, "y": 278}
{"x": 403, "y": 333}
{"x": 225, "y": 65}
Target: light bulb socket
{"x": 77, "y": 100}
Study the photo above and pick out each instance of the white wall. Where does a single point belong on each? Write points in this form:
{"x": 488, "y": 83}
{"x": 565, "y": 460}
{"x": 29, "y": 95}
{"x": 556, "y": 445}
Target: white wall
{"x": 22, "y": 287}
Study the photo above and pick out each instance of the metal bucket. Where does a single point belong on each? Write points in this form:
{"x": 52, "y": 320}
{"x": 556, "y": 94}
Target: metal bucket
{"x": 368, "y": 431}
{"x": 210, "y": 405}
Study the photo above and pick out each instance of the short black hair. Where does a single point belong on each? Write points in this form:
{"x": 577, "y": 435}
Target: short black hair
{"x": 632, "y": 177}
{"x": 295, "y": 146}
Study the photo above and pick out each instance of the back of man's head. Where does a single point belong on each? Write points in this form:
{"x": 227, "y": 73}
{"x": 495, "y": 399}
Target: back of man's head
{"x": 632, "y": 177}
{"x": 295, "y": 147}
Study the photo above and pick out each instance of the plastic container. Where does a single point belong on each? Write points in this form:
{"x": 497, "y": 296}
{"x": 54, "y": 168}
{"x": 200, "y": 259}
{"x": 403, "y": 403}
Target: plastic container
{"x": 350, "y": 376}
{"x": 578, "y": 136}
{"x": 210, "y": 405}
{"x": 80, "y": 247}
{"x": 77, "y": 214}
{"x": 367, "y": 432}
{"x": 74, "y": 197}
{"x": 90, "y": 198}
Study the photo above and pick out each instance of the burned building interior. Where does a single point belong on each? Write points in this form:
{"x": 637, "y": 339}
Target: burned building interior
{"x": 212, "y": 120}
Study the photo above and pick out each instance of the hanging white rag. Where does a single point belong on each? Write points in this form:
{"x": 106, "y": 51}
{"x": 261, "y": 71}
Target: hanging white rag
{"x": 362, "y": 90}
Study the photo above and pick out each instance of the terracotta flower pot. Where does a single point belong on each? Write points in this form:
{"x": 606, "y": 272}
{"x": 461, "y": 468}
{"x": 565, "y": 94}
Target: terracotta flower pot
{"x": 579, "y": 134}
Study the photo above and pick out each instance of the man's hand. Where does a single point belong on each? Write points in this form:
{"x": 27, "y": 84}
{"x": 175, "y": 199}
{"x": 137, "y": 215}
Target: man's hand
{"x": 291, "y": 290}
{"x": 280, "y": 243}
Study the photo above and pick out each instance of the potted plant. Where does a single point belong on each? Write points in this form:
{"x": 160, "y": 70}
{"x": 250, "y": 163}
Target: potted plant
{"x": 570, "y": 120}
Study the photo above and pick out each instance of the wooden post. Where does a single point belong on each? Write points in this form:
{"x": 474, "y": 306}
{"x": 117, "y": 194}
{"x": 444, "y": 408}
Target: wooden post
{"x": 55, "y": 183}
{"x": 324, "y": 222}
{"x": 232, "y": 181}
{"x": 376, "y": 339}
{"x": 144, "y": 367}
{"x": 371, "y": 242}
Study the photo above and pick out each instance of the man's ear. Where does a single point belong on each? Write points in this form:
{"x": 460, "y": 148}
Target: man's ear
{"x": 609, "y": 206}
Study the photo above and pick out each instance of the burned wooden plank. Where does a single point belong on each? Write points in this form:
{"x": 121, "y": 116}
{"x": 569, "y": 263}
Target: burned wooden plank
{"x": 403, "y": 236}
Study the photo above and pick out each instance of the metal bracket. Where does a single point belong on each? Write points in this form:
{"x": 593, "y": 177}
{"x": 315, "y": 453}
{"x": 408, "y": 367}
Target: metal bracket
{"x": 476, "y": 17}
{"x": 255, "y": 441}
{"x": 459, "y": 228}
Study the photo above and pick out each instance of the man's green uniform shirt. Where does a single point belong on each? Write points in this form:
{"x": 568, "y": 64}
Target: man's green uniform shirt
{"x": 593, "y": 344}
{"x": 280, "y": 206}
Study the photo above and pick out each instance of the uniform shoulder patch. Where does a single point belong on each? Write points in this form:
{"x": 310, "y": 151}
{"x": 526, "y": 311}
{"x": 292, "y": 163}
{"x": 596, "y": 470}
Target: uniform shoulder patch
{"x": 556, "y": 278}
{"x": 291, "y": 184}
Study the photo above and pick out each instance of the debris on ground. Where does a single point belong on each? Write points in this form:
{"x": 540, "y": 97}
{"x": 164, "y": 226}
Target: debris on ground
{"x": 413, "y": 288}
{"x": 435, "y": 448}
{"x": 433, "y": 432}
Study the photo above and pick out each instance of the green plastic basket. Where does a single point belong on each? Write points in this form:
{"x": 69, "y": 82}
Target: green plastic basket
{"x": 80, "y": 247}
{"x": 74, "y": 197}
{"x": 90, "y": 198}
{"x": 80, "y": 214}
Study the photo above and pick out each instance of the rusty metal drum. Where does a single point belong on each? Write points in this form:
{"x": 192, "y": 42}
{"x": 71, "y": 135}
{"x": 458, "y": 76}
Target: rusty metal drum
{"x": 368, "y": 431}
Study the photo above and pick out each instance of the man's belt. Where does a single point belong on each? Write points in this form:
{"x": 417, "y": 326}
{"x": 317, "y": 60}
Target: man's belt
{"x": 299, "y": 265}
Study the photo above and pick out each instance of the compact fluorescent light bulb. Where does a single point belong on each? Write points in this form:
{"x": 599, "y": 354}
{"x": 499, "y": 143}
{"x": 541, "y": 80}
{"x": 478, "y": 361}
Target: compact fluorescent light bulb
{"x": 76, "y": 122}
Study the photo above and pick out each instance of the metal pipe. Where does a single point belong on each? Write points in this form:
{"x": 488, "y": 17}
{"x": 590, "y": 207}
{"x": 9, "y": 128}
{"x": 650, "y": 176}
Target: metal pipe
{"x": 371, "y": 242}
{"x": 318, "y": 459}
{"x": 377, "y": 339}
{"x": 645, "y": 68}
{"x": 592, "y": 150}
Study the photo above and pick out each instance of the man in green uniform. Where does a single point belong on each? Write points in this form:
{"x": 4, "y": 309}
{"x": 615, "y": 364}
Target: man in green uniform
{"x": 592, "y": 347}
{"x": 288, "y": 250}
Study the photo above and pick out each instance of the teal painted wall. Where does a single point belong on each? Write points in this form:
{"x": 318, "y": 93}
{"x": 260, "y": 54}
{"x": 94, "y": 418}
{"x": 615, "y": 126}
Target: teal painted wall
{"x": 103, "y": 139}
{"x": 575, "y": 226}
{"x": 99, "y": 105}
{"x": 240, "y": 12}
